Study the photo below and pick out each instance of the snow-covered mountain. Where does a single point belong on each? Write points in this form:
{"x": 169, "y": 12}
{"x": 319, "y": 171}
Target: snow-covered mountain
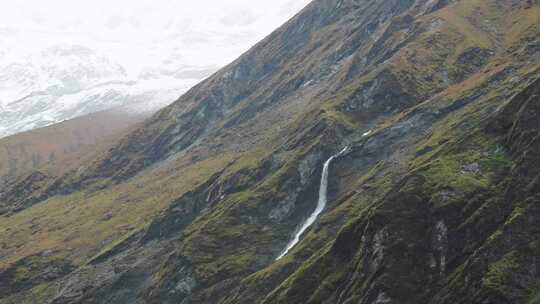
{"x": 64, "y": 60}
{"x": 67, "y": 81}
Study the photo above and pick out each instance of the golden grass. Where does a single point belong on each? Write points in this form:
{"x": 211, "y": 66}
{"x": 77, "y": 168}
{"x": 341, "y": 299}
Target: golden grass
{"x": 76, "y": 226}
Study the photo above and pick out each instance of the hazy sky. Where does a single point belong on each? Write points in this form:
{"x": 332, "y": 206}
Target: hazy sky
{"x": 114, "y": 18}
{"x": 143, "y": 33}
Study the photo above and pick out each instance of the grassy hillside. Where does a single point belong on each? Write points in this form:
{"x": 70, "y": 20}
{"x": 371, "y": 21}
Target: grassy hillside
{"x": 28, "y": 151}
{"x": 437, "y": 204}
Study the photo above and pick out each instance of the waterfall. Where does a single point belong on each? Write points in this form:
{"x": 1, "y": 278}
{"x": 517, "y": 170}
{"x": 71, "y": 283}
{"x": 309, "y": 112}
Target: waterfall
{"x": 321, "y": 204}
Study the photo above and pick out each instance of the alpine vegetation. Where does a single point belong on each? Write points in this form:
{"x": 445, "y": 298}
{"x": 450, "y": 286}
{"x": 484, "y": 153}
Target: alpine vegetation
{"x": 437, "y": 200}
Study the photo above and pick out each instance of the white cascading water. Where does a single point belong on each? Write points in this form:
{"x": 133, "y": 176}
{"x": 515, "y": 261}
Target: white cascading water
{"x": 321, "y": 204}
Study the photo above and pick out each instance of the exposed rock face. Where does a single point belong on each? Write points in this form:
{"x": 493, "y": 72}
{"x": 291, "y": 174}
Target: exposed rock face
{"x": 436, "y": 202}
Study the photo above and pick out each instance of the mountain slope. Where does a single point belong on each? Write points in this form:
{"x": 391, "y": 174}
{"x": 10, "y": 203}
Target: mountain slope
{"x": 54, "y": 149}
{"x": 34, "y": 148}
{"x": 436, "y": 204}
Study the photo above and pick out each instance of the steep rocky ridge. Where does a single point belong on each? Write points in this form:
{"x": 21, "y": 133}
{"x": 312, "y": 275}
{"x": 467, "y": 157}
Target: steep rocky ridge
{"x": 436, "y": 205}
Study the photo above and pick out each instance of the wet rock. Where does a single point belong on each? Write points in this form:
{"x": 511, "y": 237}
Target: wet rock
{"x": 307, "y": 167}
{"x": 283, "y": 209}
{"x": 440, "y": 244}
{"x": 378, "y": 249}
{"x": 186, "y": 285}
{"x": 472, "y": 168}
{"x": 382, "y": 298}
